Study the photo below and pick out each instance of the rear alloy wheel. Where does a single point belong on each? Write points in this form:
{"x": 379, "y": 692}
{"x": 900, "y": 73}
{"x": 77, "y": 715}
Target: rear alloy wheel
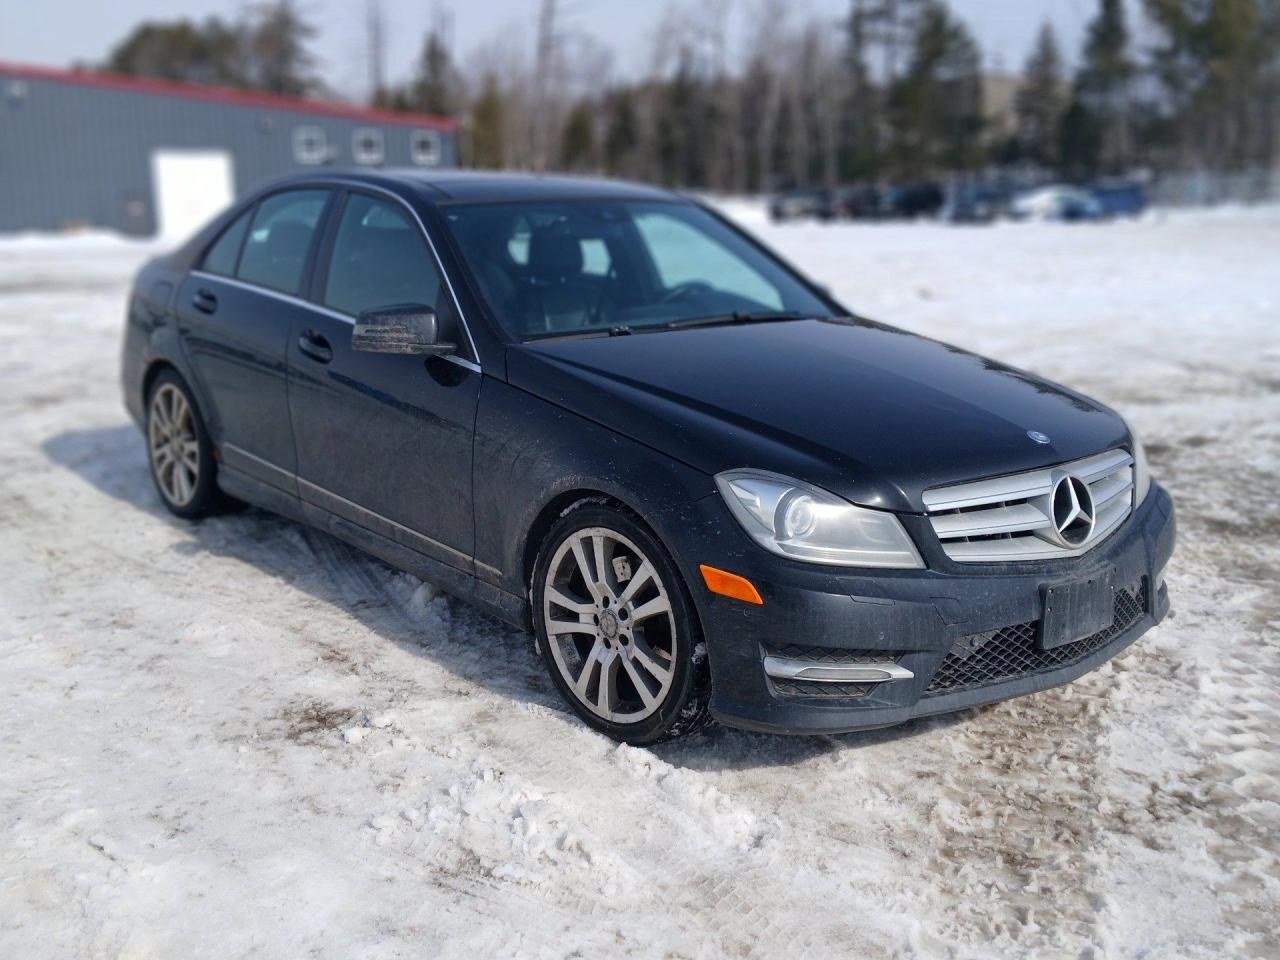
{"x": 178, "y": 448}
{"x": 616, "y": 629}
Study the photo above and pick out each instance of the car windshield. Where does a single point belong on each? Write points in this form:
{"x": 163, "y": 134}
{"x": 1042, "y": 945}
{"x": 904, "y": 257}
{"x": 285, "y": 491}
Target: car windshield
{"x": 552, "y": 269}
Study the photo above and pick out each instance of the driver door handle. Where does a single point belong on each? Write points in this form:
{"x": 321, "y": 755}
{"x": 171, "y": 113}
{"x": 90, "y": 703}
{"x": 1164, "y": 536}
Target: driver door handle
{"x": 315, "y": 346}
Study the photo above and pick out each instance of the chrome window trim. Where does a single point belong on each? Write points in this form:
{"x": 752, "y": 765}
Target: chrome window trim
{"x": 330, "y": 182}
{"x": 318, "y": 308}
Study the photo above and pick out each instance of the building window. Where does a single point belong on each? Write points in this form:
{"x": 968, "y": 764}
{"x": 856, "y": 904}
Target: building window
{"x": 425, "y": 148}
{"x": 366, "y": 145}
{"x": 309, "y": 145}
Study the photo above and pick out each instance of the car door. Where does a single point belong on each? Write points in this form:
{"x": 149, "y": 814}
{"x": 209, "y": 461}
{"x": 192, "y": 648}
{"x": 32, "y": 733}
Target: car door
{"x": 384, "y": 440}
{"x": 237, "y": 311}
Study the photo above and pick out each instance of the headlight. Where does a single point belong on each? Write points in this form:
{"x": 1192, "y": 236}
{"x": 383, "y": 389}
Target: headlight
{"x": 1141, "y": 472}
{"x": 805, "y": 523}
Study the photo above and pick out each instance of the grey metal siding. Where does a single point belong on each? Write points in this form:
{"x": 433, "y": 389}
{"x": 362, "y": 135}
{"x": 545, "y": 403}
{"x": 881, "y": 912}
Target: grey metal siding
{"x": 73, "y": 154}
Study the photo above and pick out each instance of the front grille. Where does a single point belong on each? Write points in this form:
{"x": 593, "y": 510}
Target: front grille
{"x": 1005, "y": 519}
{"x": 1010, "y": 652}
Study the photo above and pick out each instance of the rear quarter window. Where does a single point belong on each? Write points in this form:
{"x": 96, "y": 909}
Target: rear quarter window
{"x": 222, "y": 256}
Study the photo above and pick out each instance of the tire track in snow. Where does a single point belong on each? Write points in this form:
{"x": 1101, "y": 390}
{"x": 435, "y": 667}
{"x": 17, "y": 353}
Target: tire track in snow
{"x": 672, "y": 840}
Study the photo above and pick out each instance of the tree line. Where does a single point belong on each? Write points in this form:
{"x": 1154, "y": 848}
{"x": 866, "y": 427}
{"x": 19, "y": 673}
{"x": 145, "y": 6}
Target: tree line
{"x": 893, "y": 89}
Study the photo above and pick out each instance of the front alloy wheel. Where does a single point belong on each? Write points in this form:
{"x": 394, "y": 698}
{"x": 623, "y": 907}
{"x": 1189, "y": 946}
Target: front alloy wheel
{"x": 616, "y": 627}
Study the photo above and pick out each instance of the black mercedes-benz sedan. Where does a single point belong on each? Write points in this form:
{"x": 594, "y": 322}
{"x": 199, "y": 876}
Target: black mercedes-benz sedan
{"x": 603, "y": 411}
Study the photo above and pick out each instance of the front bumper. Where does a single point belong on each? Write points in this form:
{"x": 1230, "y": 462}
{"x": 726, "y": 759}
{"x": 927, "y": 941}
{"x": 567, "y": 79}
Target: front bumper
{"x": 911, "y": 617}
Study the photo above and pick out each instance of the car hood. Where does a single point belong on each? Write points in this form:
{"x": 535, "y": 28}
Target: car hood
{"x": 874, "y": 414}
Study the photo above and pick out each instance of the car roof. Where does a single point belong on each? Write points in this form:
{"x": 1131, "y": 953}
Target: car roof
{"x": 476, "y": 186}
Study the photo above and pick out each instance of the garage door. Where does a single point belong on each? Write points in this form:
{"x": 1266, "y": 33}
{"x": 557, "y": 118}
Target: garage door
{"x": 190, "y": 187}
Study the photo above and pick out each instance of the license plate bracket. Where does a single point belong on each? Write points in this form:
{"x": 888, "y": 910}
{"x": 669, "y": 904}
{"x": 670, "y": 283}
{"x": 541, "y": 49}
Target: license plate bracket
{"x": 1075, "y": 610}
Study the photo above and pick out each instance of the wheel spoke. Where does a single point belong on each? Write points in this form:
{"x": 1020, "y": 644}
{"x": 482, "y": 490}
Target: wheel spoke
{"x": 580, "y": 555}
{"x": 647, "y": 696}
{"x": 648, "y": 658}
{"x": 562, "y": 599}
{"x": 191, "y": 455}
{"x": 160, "y": 417}
{"x": 638, "y": 580}
{"x": 607, "y": 689}
{"x": 653, "y": 608}
{"x": 588, "y": 669}
{"x": 557, "y": 627}
{"x": 183, "y": 480}
{"x": 597, "y": 549}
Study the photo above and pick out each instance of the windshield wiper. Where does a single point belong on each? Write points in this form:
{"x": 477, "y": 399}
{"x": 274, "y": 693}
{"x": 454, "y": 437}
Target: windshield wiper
{"x": 738, "y": 316}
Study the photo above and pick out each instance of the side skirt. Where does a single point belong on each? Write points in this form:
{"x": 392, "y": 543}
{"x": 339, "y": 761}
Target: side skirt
{"x": 494, "y": 601}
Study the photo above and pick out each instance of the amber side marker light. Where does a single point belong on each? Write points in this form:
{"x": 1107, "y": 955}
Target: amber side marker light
{"x": 729, "y": 584}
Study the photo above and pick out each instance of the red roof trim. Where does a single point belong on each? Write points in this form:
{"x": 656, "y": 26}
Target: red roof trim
{"x": 248, "y": 98}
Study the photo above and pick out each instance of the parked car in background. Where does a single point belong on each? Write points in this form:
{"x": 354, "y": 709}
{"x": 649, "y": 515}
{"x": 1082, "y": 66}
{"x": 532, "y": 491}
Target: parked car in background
{"x": 1119, "y": 197}
{"x": 800, "y": 204}
{"x": 865, "y": 202}
{"x": 974, "y": 204}
{"x": 1060, "y": 202}
{"x": 604, "y": 412}
{"x": 912, "y": 200}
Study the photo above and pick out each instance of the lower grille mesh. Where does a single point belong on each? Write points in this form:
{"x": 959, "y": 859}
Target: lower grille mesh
{"x": 1010, "y": 652}
{"x": 821, "y": 688}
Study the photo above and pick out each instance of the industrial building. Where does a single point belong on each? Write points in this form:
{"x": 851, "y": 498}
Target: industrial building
{"x": 80, "y": 148}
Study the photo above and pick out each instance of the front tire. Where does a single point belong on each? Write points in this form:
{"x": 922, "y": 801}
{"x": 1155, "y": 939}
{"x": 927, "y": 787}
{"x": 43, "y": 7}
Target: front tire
{"x": 178, "y": 449}
{"x": 616, "y": 627}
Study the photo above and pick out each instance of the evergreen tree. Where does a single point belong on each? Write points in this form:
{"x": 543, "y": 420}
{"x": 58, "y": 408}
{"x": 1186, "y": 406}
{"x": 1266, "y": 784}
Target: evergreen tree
{"x": 578, "y": 141}
{"x": 622, "y": 134}
{"x": 434, "y": 87}
{"x": 1218, "y": 62}
{"x": 276, "y": 51}
{"x": 1040, "y": 102}
{"x": 1097, "y": 127}
{"x": 935, "y": 108}
{"x": 209, "y": 52}
{"x": 488, "y": 144}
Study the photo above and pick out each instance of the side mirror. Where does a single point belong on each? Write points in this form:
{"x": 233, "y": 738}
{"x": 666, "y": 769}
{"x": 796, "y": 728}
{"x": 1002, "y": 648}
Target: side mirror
{"x": 402, "y": 328}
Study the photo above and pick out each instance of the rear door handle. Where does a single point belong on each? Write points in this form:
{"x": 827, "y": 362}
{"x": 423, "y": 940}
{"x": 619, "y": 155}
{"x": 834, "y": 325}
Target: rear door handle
{"x": 204, "y": 300}
{"x": 315, "y": 346}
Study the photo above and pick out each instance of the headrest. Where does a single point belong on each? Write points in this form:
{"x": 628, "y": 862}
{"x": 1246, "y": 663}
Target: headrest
{"x": 288, "y": 238}
{"x": 554, "y": 254}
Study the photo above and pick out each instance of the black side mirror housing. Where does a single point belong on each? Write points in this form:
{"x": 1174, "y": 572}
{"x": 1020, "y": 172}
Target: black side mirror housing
{"x": 407, "y": 328}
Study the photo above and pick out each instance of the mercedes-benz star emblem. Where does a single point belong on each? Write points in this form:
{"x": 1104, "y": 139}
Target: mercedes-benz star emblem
{"x": 1072, "y": 511}
{"x": 1037, "y": 436}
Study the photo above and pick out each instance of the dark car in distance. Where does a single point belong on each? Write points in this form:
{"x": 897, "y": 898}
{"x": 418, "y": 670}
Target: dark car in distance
{"x": 602, "y": 411}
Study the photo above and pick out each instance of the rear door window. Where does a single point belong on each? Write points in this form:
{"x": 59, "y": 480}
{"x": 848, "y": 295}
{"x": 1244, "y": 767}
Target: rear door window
{"x": 275, "y": 252}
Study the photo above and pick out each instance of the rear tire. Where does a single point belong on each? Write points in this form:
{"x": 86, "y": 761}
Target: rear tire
{"x": 179, "y": 452}
{"x": 616, "y": 627}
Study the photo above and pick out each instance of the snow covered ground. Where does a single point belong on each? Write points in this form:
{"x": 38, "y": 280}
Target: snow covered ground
{"x": 242, "y": 738}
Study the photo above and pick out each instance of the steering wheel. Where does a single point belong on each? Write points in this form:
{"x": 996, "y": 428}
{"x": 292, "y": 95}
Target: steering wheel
{"x": 682, "y": 290}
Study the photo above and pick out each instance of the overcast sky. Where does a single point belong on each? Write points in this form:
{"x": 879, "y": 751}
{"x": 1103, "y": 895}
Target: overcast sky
{"x": 58, "y": 32}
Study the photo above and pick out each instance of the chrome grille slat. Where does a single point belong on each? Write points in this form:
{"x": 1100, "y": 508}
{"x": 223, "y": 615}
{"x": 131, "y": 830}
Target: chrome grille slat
{"x": 1004, "y": 519}
{"x": 974, "y": 523}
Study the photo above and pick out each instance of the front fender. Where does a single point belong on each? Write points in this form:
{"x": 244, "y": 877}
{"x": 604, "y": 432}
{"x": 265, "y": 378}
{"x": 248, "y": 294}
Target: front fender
{"x": 530, "y": 453}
